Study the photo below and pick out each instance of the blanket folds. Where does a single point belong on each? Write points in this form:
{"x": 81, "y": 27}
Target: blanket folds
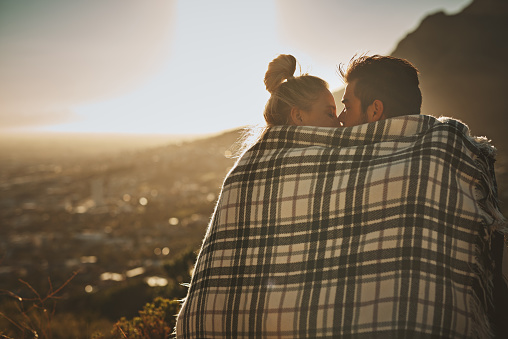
{"x": 379, "y": 230}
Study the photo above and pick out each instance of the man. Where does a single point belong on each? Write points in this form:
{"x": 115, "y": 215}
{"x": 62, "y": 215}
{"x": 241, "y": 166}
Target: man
{"x": 382, "y": 229}
{"x": 383, "y": 87}
{"x": 379, "y": 87}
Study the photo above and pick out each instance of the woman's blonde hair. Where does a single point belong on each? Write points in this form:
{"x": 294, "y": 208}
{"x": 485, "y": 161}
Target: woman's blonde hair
{"x": 288, "y": 91}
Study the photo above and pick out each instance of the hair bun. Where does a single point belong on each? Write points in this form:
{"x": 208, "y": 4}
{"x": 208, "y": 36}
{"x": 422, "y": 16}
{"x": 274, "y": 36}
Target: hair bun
{"x": 279, "y": 69}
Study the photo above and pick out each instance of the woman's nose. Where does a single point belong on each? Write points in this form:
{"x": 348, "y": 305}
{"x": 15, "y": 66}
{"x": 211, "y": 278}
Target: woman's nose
{"x": 340, "y": 117}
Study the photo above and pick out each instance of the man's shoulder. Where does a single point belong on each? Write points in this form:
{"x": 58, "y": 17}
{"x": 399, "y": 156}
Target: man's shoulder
{"x": 480, "y": 143}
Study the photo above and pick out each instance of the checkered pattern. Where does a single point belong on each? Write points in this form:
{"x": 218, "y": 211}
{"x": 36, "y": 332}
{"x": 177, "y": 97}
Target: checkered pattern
{"x": 374, "y": 231}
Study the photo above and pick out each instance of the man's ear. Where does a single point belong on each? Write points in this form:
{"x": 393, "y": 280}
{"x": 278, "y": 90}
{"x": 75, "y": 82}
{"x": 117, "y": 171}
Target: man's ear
{"x": 296, "y": 116}
{"x": 375, "y": 111}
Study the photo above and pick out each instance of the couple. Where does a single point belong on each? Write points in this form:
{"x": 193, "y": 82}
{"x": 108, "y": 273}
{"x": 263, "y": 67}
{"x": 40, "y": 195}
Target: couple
{"x": 378, "y": 223}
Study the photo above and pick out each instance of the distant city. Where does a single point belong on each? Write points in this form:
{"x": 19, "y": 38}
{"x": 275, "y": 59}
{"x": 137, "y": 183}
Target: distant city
{"x": 112, "y": 216}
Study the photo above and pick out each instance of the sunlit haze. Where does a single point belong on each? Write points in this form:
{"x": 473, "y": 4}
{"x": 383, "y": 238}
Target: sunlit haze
{"x": 176, "y": 67}
{"x": 120, "y": 124}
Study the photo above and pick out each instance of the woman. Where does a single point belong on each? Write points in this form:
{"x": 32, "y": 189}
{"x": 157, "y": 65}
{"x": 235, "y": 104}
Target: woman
{"x": 304, "y": 100}
{"x": 299, "y": 101}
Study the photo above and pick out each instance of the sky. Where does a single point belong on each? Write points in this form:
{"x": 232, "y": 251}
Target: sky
{"x": 177, "y": 66}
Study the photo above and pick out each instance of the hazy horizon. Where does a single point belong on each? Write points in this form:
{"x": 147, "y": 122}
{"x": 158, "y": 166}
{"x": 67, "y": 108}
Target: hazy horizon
{"x": 47, "y": 144}
{"x": 170, "y": 67}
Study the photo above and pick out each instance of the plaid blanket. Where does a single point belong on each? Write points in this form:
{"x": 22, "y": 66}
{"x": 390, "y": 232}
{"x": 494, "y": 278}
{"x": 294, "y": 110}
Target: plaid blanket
{"x": 375, "y": 231}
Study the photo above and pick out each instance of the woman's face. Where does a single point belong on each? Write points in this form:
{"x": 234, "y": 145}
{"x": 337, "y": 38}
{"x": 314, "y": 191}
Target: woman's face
{"x": 323, "y": 112}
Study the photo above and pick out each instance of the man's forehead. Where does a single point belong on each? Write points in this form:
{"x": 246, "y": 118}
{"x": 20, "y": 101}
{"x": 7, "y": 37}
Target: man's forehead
{"x": 348, "y": 92}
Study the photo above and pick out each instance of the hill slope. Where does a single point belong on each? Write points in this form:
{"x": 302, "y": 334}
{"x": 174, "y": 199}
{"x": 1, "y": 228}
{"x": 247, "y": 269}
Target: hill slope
{"x": 463, "y": 68}
{"x": 462, "y": 60}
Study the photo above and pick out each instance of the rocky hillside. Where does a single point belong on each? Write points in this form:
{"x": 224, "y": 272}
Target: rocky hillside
{"x": 463, "y": 63}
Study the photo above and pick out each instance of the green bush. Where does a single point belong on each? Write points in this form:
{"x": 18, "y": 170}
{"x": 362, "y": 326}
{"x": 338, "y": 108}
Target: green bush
{"x": 156, "y": 320}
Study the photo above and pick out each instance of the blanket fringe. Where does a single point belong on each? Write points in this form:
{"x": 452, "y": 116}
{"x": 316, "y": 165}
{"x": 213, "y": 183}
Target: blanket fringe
{"x": 489, "y": 202}
{"x": 493, "y": 220}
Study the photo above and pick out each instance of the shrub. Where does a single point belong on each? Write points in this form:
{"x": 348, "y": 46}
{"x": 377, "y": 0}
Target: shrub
{"x": 156, "y": 321}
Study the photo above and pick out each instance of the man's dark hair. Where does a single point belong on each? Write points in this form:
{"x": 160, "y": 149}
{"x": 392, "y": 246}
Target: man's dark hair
{"x": 392, "y": 80}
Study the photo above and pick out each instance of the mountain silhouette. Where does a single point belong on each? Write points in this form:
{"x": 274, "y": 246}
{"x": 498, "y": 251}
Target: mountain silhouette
{"x": 463, "y": 64}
